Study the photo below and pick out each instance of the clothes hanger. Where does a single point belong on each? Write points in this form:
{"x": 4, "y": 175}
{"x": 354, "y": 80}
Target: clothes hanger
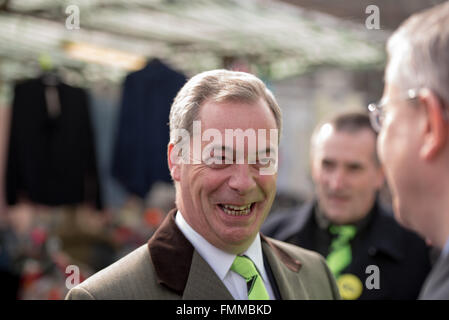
{"x": 50, "y": 74}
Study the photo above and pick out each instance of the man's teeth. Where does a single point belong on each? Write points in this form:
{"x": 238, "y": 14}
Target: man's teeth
{"x": 236, "y": 210}
{"x": 229, "y": 206}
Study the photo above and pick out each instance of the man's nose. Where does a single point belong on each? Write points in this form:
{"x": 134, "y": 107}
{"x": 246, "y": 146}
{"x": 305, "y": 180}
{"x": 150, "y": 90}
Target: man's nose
{"x": 242, "y": 179}
{"x": 337, "y": 180}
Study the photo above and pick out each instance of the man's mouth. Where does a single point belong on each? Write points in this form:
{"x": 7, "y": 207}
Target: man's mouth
{"x": 234, "y": 210}
{"x": 338, "y": 196}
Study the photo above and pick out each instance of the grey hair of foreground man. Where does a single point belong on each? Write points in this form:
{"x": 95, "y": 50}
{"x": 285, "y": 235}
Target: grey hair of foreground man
{"x": 217, "y": 86}
{"x": 419, "y": 52}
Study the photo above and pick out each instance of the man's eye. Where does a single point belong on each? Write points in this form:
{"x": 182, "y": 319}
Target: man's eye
{"x": 354, "y": 167}
{"x": 216, "y": 159}
{"x": 328, "y": 164}
{"x": 218, "y": 166}
{"x": 265, "y": 162}
{"x": 217, "y": 162}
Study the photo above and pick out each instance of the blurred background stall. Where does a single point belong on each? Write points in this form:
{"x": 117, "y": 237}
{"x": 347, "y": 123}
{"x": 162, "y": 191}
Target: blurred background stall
{"x": 85, "y": 91}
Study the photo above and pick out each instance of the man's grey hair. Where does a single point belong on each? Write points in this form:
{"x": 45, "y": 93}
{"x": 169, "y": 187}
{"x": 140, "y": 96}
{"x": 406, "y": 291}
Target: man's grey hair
{"x": 217, "y": 86}
{"x": 419, "y": 52}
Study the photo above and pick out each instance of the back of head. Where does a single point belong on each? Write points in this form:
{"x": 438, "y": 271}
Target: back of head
{"x": 419, "y": 52}
{"x": 217, "y": 86}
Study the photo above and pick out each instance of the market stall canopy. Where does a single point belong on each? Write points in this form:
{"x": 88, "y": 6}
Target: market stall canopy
{"x": 393, "y": 13}
{"x": 114, "y": 37}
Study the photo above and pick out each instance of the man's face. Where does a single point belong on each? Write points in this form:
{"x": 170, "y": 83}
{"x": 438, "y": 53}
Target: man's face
{"x": 398, "y": 148}
{"x": 345, "y": 173}
{"x": 228, "y": 203}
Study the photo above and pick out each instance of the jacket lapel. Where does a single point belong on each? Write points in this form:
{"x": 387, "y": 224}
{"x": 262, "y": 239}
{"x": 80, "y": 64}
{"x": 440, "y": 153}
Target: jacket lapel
{"x": 180, "y": 268}
{"x": 285, "y": 271}
{"x": 171, "y": 255}
{"x": 203, "y": 283}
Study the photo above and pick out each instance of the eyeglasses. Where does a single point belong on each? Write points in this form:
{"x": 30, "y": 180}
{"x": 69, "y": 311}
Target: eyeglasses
{"x": 377, "y": 110}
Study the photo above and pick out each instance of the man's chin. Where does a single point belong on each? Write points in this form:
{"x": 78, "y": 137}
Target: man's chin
{"x": 398, "y": 214}
{"x": 337, "y": 217}
{"x": 237, "y": 244}
{"x": 338, "y": 212}
{"x": 398, "y": 217}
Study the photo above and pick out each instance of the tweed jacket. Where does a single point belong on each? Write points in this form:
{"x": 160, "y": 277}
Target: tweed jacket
{"x": 169, "y": 267}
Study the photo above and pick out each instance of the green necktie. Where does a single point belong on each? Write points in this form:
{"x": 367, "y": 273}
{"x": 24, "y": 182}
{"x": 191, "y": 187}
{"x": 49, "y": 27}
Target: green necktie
{"x": 245, "y": 267}
{"x": 340, "y": 255}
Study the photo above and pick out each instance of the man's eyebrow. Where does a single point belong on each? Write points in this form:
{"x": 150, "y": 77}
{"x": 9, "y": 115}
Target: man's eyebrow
{"x": 354, "y": 165}
{"x": 268, "y": 150}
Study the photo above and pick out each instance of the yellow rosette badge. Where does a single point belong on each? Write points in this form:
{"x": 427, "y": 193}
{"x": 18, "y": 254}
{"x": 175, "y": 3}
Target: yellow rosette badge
{"x": 350, "y": 286}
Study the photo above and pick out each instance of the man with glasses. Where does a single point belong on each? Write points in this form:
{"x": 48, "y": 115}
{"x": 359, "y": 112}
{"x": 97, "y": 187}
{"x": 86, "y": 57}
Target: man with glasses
{"x": 413, "y": 124}
{"x": 370, "y": 255}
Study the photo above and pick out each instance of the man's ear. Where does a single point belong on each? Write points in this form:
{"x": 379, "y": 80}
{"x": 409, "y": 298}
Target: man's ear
{"x": 436, "y": 127}
{"x": 174, "y": 162}
{"x": 312, "y": 169}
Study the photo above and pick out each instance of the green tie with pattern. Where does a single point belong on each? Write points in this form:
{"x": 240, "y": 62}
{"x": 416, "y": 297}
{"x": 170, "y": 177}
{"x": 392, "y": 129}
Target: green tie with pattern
{"x": 245, "y": 267}
{"x": 340, "y": 255}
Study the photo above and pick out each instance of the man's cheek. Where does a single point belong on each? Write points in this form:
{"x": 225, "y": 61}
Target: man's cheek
{"x": 269, "y": 185}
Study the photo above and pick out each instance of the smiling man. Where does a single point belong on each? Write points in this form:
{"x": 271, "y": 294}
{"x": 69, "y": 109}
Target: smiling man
{"x": 222, "y": 157}
{"x": 371, "y": 256}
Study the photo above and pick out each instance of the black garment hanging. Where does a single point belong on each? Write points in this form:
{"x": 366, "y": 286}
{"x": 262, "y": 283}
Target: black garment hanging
{"x": 140, "y": 154}
{"x": 51, "y": 155}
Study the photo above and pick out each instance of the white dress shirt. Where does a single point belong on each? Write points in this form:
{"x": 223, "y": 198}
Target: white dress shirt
{"x": 445, "y": 251}
{"x": 221, "y": 261}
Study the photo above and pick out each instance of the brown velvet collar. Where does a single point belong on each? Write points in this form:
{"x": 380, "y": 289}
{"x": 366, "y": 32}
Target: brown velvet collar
{"x": 171, "y": 254}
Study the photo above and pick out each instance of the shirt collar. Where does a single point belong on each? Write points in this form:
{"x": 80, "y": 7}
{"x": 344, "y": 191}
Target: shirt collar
{"x": 445, "y": 251}
{"x": 219, "y": 260}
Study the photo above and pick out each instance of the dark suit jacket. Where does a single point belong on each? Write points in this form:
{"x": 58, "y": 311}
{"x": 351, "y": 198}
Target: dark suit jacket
{"x": 140, "y": 154}
{"x": 402, "y": 257}
{"x": 436, "y": 286}
{"x": 169, "y": 267}
{"x": 51, "y": 160}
